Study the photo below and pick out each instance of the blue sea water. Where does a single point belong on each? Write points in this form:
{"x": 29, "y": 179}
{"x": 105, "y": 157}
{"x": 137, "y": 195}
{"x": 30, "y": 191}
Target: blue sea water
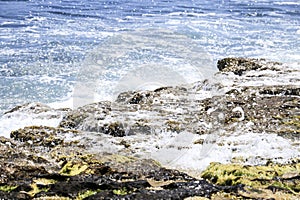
{"x": 44, "y": 43}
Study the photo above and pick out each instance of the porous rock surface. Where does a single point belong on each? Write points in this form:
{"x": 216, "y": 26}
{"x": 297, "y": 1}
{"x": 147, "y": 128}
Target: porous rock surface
{"x": 256, "y": 95}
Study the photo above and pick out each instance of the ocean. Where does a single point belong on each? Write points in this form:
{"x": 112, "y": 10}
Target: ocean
{"x": 70, "y": 53}
{"x": 46, "y": 45}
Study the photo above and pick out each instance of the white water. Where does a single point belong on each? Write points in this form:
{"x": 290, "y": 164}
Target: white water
{"x": 179, "y": 151}
{"x": 45, "y": 54}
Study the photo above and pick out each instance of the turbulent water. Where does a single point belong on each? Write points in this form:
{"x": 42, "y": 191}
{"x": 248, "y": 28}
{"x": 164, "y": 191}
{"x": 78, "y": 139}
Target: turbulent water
{"x": 70, "y": 53}
{"x": 44, "y": 44}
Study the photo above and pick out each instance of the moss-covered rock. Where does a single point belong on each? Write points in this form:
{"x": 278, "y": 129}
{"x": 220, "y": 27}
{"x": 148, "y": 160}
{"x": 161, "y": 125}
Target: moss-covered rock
{"x": 80, "y": 160}
{"x": 274, "y": 177}
{"x": 7, "y": 188}
{"x": 80, "y": 175}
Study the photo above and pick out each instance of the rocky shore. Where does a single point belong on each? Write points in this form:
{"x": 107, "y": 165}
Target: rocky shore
{"x": 238, "y": 141}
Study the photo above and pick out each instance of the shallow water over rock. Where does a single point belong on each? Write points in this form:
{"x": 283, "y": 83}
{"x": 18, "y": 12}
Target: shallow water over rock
{"x": 100, "y": 145}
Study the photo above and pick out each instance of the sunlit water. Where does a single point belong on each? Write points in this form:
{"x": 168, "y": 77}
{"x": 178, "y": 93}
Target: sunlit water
{"x": 48, "y": 47}
{"x": 43, "y": 44}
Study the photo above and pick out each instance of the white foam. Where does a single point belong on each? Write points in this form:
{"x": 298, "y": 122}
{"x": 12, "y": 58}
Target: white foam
{"x": 16, "y": 120}
{"x": 140, "y": 59}
{"x": 66, "y": 103}
{"x": 287, "y": 3}
{"x": 251, "y": 148}
{"x": 178, "y": 150}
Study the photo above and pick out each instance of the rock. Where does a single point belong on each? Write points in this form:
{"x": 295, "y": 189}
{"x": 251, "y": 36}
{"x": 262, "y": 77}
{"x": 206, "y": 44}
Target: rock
{"x": 67, "y": 170}
{"x": 92, "y": 118}
{"x": 35, "y": 108}
{"x": 178, "y": 190}
{"x": 105, "y": 150}
{"x": 257, "y": 179}
{"x": 155, "y": 97}
{"x": 93, "y": 177}
{"x": 30, "y": 114}
{"x": 287, "y": 90}
{"x": 76, "y": 119}
{"x": 115, "y": 129}
{"x": 240, "y": 65}
{"x": 269, "y": 111}
{"x": 116, "y": 118}
{"x": 42, "y": 135}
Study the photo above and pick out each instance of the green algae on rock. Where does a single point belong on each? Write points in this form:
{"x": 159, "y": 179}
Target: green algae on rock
{"x": 91, "y": 155}
{"x": 72, "y": 169}
{"x": 7, "y": 188}
{"x": 87, "y": 176}
{"x": 272, "y": 176}
{"x": 294, "y": 122}
{"x": 86, "y": 194}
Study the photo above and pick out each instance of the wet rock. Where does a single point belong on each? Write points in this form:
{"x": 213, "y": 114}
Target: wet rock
{"x": 95, "y": 177}
{"x": 124, "y": 96}
{"x": 240, "y": 65}
{"x": 288, "y": 90}
{"x": 93, "y": 118}
{"x": 98, "y": 151}
{"x": 141, "y": 126}
{"x": 31, "y": 108}
{"x": 138, "y": 98}
{"x": 37, "y": 108}
{"x": 270, "y": 112}
{"x": 30, "y": 114}
{"x": 179, "y": 190}
{"x": 155, "y": 97}
{"x": 121, "y": 118}
{"x": 75, "y": 119}
{"x": 259, "y": 181}
{"x": 63, "y": 174}
{"x": 115, "y": 129}
{"x": 42, "y": 135}
{"x": 166, "y": 108}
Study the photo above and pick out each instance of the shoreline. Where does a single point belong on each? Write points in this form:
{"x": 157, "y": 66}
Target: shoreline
{"x": 109, "y": 146}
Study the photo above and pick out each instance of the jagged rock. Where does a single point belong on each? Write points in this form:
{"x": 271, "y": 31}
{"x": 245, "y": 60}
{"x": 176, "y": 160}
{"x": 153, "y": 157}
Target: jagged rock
{"x": 115, "y": 118}
{"x": 97, "y": 150}
{"x": 93, "y": 177}
{"x": 239, "y": 65}
{"x": 92, "y": 117}
{"x": 31, "y": 108}
{"x": 36, "y": 108}
{"x": 260, "y": 178}
{"x": 155, "y": 97}
{"x": 42, "y": 135}
{"x": 272, "y": 109}
{"x": 115, "y": 129}
{"x": 178, "y": 190}
{"x": 76, "y": 118}
{"x": 287, "y": 90}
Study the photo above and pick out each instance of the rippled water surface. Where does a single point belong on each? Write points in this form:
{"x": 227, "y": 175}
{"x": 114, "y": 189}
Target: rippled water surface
{"x": 43, "y": 44}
